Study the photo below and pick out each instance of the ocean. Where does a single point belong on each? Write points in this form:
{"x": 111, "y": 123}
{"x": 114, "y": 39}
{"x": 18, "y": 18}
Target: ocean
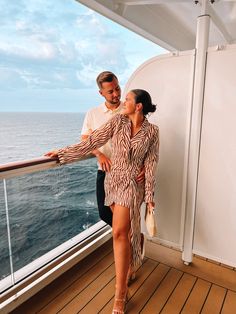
{"x": 49, "y": 207}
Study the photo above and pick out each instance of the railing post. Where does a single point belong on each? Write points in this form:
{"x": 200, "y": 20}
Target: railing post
{"x": 8, "y": 232}
{"x": 202, "y": 38}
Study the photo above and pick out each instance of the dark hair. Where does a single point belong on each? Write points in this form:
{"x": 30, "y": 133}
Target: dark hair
{"x": 143, "y": 97}
{"x": 105, "y": 76}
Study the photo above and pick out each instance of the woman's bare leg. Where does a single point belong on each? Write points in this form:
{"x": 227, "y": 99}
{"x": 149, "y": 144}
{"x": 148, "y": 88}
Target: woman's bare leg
{"x": 121, "y": 244}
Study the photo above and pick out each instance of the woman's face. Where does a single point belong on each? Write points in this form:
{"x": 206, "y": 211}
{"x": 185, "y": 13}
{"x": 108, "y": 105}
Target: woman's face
{"x": 129, "y": 106}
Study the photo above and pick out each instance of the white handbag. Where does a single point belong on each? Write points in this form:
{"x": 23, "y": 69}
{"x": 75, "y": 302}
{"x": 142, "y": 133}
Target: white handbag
{"x": 151, "y": 224}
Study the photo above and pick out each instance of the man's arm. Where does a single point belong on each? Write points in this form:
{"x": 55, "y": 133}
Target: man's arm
{"x": 103, "y": 160}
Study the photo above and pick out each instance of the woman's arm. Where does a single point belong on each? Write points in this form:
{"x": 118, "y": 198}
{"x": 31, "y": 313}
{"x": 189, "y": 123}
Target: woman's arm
{"x": 97, "y": 139}
{"x": 150, "y": 164}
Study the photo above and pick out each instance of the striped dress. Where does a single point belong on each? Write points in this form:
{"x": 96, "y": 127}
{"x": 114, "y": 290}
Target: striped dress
{"x": 129, "y": 155}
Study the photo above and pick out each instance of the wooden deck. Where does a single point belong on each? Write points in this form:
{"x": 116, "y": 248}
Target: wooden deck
{"x": 163, "y": 285}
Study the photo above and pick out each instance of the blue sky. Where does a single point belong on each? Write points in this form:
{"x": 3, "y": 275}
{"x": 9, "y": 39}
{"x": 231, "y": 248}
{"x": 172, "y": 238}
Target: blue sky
{"x": 52, "y": 50}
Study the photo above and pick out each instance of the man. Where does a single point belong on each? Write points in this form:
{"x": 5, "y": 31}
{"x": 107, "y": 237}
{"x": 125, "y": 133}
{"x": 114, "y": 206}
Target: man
{"x": 109, "y": 88}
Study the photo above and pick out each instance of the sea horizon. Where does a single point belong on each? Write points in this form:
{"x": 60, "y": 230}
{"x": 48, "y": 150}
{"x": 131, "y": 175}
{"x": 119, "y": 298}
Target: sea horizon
{"x": 46, "y": 208}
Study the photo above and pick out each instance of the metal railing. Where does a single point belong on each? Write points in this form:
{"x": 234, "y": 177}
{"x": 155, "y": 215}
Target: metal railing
{"x": 32, "y": 188}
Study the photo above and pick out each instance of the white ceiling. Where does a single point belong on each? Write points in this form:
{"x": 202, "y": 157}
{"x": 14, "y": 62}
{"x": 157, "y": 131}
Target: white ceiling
{"x": 170, "y": 23}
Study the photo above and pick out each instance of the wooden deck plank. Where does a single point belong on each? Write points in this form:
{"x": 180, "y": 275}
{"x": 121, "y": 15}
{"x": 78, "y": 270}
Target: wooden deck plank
{"x": 162, "y": 293}
{"x": 179, "y": 295}
{"x": 163, "y": 285}
{"x": 77, "y": 286}
{"x": 214, "y": 300}
{"x": 57, "y": 288}
{"x": 214, "y": 273}
{"x": 229, "y": 306}
{"x": 140, "y": 298}
{"x": 142, "y": 274}
{"x": 87, "y": 294}
{"x": 197, "y": 297}
{"x": 103, "y": 297}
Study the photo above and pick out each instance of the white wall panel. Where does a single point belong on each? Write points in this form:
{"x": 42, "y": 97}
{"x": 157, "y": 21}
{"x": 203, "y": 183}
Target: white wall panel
{"x": 215, "y": 226}
{"x": 168, "y": 78}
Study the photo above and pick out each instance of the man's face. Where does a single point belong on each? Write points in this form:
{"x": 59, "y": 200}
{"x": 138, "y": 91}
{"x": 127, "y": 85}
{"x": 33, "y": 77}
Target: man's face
{"x": 111, "y": 92}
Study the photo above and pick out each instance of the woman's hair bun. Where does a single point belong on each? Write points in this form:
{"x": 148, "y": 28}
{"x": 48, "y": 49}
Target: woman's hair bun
{"x": 143, "y": 97}
{"x": 153, "y": 108}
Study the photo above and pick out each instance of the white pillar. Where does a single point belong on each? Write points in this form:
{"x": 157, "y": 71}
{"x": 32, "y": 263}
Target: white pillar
{"x": 202, "y": 37}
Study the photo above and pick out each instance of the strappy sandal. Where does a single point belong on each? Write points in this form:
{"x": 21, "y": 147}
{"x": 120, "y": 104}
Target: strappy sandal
{"x": 119, "y": 311}
{"x": 122, "y": 300}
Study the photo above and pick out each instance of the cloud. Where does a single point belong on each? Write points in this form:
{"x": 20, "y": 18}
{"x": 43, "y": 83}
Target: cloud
{"x": 89, "y": 21}
{"x": 52, "y": 100}
{"x": 11, "y": 77}
{"x": 62, "y": 46}
{"x": 55, "y": 44}
{"x": 38, "y": 50}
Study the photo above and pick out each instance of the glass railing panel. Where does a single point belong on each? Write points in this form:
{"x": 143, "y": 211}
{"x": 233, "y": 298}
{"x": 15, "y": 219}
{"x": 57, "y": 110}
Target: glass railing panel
{"x": 5, "y": 269}
{"x": 48, "y": 208}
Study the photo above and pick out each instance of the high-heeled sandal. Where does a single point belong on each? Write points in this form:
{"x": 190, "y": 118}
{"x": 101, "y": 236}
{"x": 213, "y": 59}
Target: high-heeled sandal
{"x": 124, "y": 301}
{"x": 119, "y": 311}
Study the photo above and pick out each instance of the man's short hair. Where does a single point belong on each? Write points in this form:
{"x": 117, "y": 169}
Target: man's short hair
{"x": 105, "y": 76}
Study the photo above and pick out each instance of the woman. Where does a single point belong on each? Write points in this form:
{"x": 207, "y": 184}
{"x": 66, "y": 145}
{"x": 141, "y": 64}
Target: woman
{"x": 135, "y": 143}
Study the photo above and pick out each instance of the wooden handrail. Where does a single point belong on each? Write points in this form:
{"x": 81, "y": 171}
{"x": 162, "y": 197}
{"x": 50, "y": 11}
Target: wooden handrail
{"x": 14, "y": 169}
{"x": 25, "y": 163}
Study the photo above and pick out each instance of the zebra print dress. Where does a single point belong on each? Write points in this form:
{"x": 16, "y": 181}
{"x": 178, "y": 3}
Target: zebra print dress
{"x": 129, "y": 155}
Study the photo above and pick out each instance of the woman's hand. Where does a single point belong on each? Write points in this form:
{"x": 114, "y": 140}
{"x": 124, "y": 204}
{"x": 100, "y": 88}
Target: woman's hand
{"x": 150, "y": 206}
{"x": 52, "y": 154}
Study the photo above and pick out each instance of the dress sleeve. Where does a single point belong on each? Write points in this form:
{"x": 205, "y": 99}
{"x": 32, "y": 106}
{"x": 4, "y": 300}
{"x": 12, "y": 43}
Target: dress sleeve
{"x": 98, "y": 138}
{"x": 150, "y": 164}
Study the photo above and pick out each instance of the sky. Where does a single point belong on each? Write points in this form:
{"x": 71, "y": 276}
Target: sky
{"x": 51, "y": 52}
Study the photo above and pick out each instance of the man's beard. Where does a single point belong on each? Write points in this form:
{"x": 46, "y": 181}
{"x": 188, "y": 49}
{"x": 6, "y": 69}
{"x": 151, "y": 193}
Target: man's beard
{"x": 112, "y": 102}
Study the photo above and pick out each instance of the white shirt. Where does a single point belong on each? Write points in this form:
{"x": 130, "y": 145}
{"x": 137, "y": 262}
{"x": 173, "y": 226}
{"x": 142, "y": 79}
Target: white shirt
{"x": 95, "y": 118}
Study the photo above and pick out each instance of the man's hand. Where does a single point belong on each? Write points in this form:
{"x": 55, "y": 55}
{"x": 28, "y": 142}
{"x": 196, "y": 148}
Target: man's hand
{"x": 104, "y": 161}
{"x": 141, "y": 176}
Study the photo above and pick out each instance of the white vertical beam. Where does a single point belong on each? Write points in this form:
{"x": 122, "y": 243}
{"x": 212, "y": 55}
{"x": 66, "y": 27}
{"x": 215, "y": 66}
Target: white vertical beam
{"x": 8, "y": 233}
{"x": 202, "y": 39}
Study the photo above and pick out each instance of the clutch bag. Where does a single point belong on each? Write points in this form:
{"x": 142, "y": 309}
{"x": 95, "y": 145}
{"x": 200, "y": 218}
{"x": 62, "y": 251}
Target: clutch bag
{"x": 151, "y": 224}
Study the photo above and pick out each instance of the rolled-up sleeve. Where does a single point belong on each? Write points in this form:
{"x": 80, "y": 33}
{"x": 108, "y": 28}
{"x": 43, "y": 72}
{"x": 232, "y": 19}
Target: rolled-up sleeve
{"x": 150, "y": 164}
{"x": 97, "y": 139}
